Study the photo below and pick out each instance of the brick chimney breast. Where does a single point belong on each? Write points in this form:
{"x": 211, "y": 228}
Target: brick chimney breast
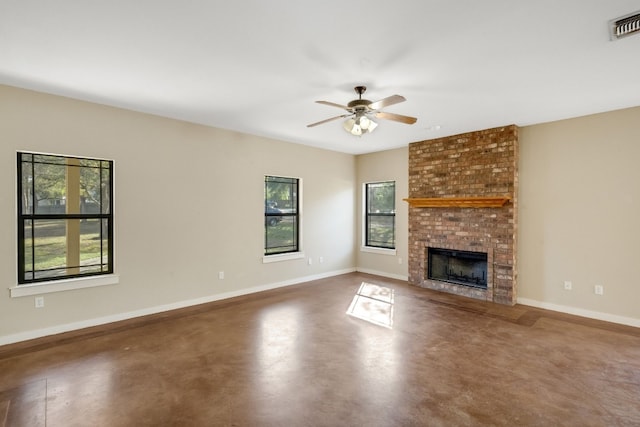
{"x": 471, "y": 165}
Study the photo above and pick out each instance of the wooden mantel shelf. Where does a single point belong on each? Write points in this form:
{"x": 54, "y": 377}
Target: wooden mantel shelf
{"x": 458, "y": 202}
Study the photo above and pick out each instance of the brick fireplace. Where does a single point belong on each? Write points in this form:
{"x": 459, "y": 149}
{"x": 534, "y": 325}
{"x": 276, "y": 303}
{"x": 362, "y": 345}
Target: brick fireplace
{"x": 463, "y": 195}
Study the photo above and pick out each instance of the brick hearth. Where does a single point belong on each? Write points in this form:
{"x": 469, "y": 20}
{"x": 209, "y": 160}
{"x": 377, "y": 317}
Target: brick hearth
{"x": 475, "y": 164}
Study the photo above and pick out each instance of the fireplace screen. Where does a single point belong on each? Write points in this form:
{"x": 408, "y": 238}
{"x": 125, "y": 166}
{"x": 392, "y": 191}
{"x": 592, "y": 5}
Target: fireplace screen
{"x": 460, "y": 267}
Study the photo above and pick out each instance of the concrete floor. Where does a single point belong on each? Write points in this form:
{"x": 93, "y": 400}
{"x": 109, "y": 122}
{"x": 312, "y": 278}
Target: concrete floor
{"x": 402, "y": 356}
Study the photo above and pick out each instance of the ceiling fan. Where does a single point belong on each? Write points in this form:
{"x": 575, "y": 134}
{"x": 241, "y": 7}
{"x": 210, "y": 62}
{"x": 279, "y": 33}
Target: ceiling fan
{"x": 361, "y": 113}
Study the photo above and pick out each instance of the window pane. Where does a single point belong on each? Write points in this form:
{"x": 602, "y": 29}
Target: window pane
{"x": 71, "y": 186}
{"x": 27, "y": 189}
{"x": 63, "y": 247}
{"x": 50, "y": 188}
{"x": 47, "y": 159}
{"x": 104, "y": 238}
{"x": 381, "y": 231}
{"x": 90, "y": 190}
{"x": 282, "y": 236}
{"x": 105, "y": 189}
{"x": 49, "y": 247}
{"x": 90, "y": 163}
{"x": 92, "y": 242}
{"x": 381, "y": 197}
{"x": 28, "y": 249}
{"x": 281, "y": 193}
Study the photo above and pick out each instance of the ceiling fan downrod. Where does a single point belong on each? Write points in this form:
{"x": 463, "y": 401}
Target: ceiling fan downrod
{"x": 359, "y": 104}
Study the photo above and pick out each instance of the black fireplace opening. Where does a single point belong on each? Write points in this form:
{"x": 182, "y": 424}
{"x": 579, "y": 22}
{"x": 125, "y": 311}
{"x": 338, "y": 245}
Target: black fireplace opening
{"x": 459, "y": 267}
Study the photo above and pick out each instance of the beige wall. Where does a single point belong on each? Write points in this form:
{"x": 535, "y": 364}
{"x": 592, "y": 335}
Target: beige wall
{"x": 188, "y": 204}
{"x": 579, "y": 213}
{"x": 389, "y": 165}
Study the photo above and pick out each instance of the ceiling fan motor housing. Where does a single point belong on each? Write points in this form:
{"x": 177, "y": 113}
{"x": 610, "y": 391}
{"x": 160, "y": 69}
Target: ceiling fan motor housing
{"x": 359, "y": 104}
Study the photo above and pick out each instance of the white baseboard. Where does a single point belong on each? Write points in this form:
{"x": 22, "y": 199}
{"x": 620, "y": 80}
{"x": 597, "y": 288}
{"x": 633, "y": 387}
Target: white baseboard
{"x": 383, "y": 274}
{"x": 629, "y": 321}
{"x": 39, "y": 333}
{"x": 58, "y": 329}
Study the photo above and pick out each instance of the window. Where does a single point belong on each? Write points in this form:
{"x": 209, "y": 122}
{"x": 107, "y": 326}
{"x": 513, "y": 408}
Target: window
{"x": 380, "y": 217}
{"x": 281, "y": 215}
{"x": 65, "y": 217}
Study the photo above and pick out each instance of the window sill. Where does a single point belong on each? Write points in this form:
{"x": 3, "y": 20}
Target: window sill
{"x": 282, "y": 257}
{"x": 63, "y": 285}
{"x": 380, "y": 251}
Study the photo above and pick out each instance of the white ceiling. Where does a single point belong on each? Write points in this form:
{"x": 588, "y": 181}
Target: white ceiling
{"x": 257, "y": 66}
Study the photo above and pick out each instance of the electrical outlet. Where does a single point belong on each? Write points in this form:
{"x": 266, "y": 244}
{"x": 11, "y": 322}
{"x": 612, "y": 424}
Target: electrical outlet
{"x": 220, "y": 275}
{"x": 599, "y": 289}
{"x": 310, "y": 261}
{"x": 568, "y": 285}
{"x": 321, "y": 259}
{"x": 39, "y": 301}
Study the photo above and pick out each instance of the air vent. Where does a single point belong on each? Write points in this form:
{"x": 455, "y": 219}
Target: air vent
{"x": 625, "y": 26}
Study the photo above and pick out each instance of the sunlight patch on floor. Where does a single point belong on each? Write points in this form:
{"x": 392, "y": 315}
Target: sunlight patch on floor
{"x": 374, "y": 304}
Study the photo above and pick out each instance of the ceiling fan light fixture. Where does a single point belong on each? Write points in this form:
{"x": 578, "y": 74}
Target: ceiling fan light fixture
{"x": 348, "y": 124}
{"x": 364, "y": 122}
{"x": 359, "y": 125}
{"x": 352, "y": 126}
